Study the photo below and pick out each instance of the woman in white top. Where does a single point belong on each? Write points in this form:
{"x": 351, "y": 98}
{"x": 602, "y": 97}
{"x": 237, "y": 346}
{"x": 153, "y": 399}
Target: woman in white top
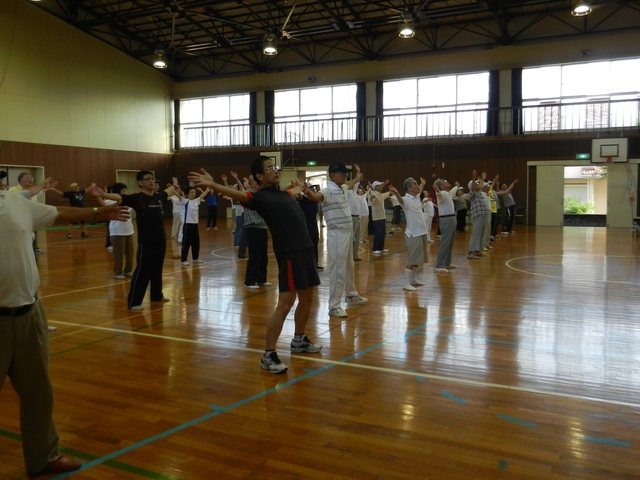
{"x": 191, "y": 235}
{"x": 121, "y": 234}
{"x": 428, "y": 211}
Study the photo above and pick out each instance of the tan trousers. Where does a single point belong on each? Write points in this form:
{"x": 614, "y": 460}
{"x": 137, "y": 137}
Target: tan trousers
{"x": 122, "y": 250}
{"x": 24, "y": 358}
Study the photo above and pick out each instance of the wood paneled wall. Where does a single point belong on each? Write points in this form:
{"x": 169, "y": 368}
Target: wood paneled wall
{"x": 83, "y": 165}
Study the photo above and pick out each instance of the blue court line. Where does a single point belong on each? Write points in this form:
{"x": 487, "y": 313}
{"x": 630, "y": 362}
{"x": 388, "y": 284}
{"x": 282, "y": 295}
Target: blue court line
{"x": 617, "y": 443}
{"x": 453, "y": 397}
{"x": 503, "y": 465}
{"x": 417, "y": 377}
{"x": 220, "y": 409}
{"x": 516, "y": 420}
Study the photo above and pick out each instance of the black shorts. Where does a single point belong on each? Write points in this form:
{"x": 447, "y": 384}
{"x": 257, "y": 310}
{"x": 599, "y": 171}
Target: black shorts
{"x": 297, "y": 270}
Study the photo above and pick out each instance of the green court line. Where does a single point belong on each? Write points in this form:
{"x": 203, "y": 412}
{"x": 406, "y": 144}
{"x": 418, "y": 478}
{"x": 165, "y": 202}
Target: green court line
{"x": 125, "y": 467}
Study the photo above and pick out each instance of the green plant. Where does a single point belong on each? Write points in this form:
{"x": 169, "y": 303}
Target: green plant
{"x": 575, "y": 206}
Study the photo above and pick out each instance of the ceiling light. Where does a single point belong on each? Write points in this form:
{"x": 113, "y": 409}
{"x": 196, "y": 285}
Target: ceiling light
{"x": 269, "y": 45}
{"x": 159, "y": 61}
{"x": 407, "y": 28}
{"x": 580, "y": 8}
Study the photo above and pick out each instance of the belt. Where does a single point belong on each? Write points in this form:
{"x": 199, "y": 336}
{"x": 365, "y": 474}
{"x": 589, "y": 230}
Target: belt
{"x": 445, "y": 216}
{"x": 16, "y": 312}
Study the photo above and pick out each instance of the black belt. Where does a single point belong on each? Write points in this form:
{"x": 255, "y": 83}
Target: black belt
{"x": 17, "y": 311}
{"x": 445, "y": 216}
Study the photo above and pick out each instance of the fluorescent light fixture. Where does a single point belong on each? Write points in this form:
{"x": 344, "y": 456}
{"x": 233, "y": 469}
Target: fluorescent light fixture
{"x": 269, "y": 45}
{"x": 580, "y": 8}
{"x": 159, "y": 61}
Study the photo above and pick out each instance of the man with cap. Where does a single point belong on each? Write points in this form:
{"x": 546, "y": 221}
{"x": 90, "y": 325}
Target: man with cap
{"x": 337, "y": 215}
{"x": 76, "y": 199}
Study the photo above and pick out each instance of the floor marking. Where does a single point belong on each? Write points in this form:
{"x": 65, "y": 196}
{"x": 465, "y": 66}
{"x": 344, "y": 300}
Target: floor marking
{"x": 617, "y": 443}
{"x": 421, "y": 379}
{"x": 503, "y": 465}
{"x": 344, "y": 363}
{"x": 516, "y": 420}
{"x": 453, "y": 397}
{"x": 508, "y": 264}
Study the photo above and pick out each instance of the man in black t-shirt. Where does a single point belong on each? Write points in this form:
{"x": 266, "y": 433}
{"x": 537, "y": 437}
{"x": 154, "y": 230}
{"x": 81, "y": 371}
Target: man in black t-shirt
{"x": 297, "y": 273}
{"x": 152, "y": 239}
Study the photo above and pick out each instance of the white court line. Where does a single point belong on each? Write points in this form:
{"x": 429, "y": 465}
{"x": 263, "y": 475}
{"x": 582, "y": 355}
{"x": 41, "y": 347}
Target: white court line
{"x": 442, "y": 378}
{"x": 508, "y": 264}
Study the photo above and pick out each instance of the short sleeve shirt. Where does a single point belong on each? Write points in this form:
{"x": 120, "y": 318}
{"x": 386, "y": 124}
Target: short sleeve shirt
{"x": 283, "y": 217}
{"x": 149, "y": 215}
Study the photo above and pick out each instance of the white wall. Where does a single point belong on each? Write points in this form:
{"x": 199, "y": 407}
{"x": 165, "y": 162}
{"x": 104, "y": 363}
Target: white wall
{"x": 59, "y": 86}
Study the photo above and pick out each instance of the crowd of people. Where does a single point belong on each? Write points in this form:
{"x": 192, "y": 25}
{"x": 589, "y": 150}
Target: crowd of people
{"x": 291, "y": 214}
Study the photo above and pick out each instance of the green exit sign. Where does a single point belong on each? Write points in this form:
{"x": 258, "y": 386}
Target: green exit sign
{"x": 311, "y": 164}
{"x": 583, "y": 156}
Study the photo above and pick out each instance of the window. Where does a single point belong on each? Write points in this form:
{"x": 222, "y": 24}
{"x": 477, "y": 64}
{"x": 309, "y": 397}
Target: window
{"x": 586, "y": 96}
{"x": 316, "y": 115}
{"x": 215, "y": 121}
{"x": 436, "y": 106}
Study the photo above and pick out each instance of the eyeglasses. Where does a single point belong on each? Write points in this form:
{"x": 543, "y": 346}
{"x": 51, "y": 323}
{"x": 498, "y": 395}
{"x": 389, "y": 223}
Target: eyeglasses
{"x": 147, "y": 179}
{"x": 272, "y": 168}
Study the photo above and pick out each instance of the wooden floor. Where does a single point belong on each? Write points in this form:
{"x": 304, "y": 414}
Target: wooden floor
{"x": 522, "y": 365}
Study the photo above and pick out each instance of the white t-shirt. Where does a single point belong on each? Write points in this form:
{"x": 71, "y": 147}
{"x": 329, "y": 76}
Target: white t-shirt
{"x": 118, "y": 228}
{"x": 335, "y": 207}
{"x": 416, "y": 226}
{"x": 192, "y": 210}
{"x": 20, "y": 217}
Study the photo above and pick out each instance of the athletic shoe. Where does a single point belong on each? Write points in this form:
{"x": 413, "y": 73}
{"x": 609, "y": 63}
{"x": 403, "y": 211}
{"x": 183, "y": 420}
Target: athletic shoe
{"x": 452, "y": 267}
{"x": 272, "y": 363}
{"x": 442, "y": 270}
{"x": 408, "y": 287}
{"x": 38, "y": 251}
{"x": 377, "y": 252}
{"x": 136, "y": 307}
{"x": 479, "y": 254}
{"x": 355, "y": 300}
{"x": 120, "y": 277}
{"x": 51, "y": 328}
{"x": 431, "y": 241}
{"x": 471, "y": 256}
{"x": 252, "y": 287}
{"x": 385, "y": 250}
{"x": 265, "y": 284}
{"x": 164, "y": 299}
{"x": 110, "y": 249}
{"x": 337, "y": 312}
{"x": 185, "y": 264}
{"x": 305, "y": 346}
{"x": 417, "y": 283}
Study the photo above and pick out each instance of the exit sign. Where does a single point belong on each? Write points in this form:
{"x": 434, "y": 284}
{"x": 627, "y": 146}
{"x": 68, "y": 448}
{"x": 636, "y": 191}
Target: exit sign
{"x": 583, "y": 156}
{"x": 311, "y": 164}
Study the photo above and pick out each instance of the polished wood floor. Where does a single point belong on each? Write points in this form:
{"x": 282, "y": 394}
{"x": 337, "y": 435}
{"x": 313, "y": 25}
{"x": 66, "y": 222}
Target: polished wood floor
{"x": 523, "y": 365}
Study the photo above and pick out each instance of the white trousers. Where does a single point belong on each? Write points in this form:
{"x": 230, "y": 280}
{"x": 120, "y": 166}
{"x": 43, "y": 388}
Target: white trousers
{"x": 341, "y": 269}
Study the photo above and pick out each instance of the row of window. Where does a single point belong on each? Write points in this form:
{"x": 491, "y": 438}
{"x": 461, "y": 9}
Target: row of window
{"x": 580, "y": 96}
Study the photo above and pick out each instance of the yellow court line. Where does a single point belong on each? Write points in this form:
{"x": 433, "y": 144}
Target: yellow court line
{"x": 462, "y": 381}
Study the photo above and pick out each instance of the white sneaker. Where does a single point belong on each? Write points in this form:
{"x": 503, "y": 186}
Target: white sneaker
{"x": 385, "y": 250}
{"x": 377, "y": 252}
{"x": 408, "y": 287}
{"x": 355, "y": 300}
{"x": 265, "y": 284}
{"x": 442, "y": 270}
{"x": 119, "y": 277}
{"x": 452, "y": 267}
{"x": 252, "y": 287}
{"x": 185, "y": 264}
{"x": 272, "y": 363}
{"x": 431, "y": 241}
{"x": 337, "y": 312}
{"x": 417, "y": 282}
{"x": 137, "y": 307}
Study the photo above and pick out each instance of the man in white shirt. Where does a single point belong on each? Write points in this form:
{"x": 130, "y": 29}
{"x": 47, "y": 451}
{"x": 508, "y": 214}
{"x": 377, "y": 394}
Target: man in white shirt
{"x": 447, "y": 223}
{"x": 415, "y": 231}
{"x": 337, "y": 215}
{"x": 24, "y": 338}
